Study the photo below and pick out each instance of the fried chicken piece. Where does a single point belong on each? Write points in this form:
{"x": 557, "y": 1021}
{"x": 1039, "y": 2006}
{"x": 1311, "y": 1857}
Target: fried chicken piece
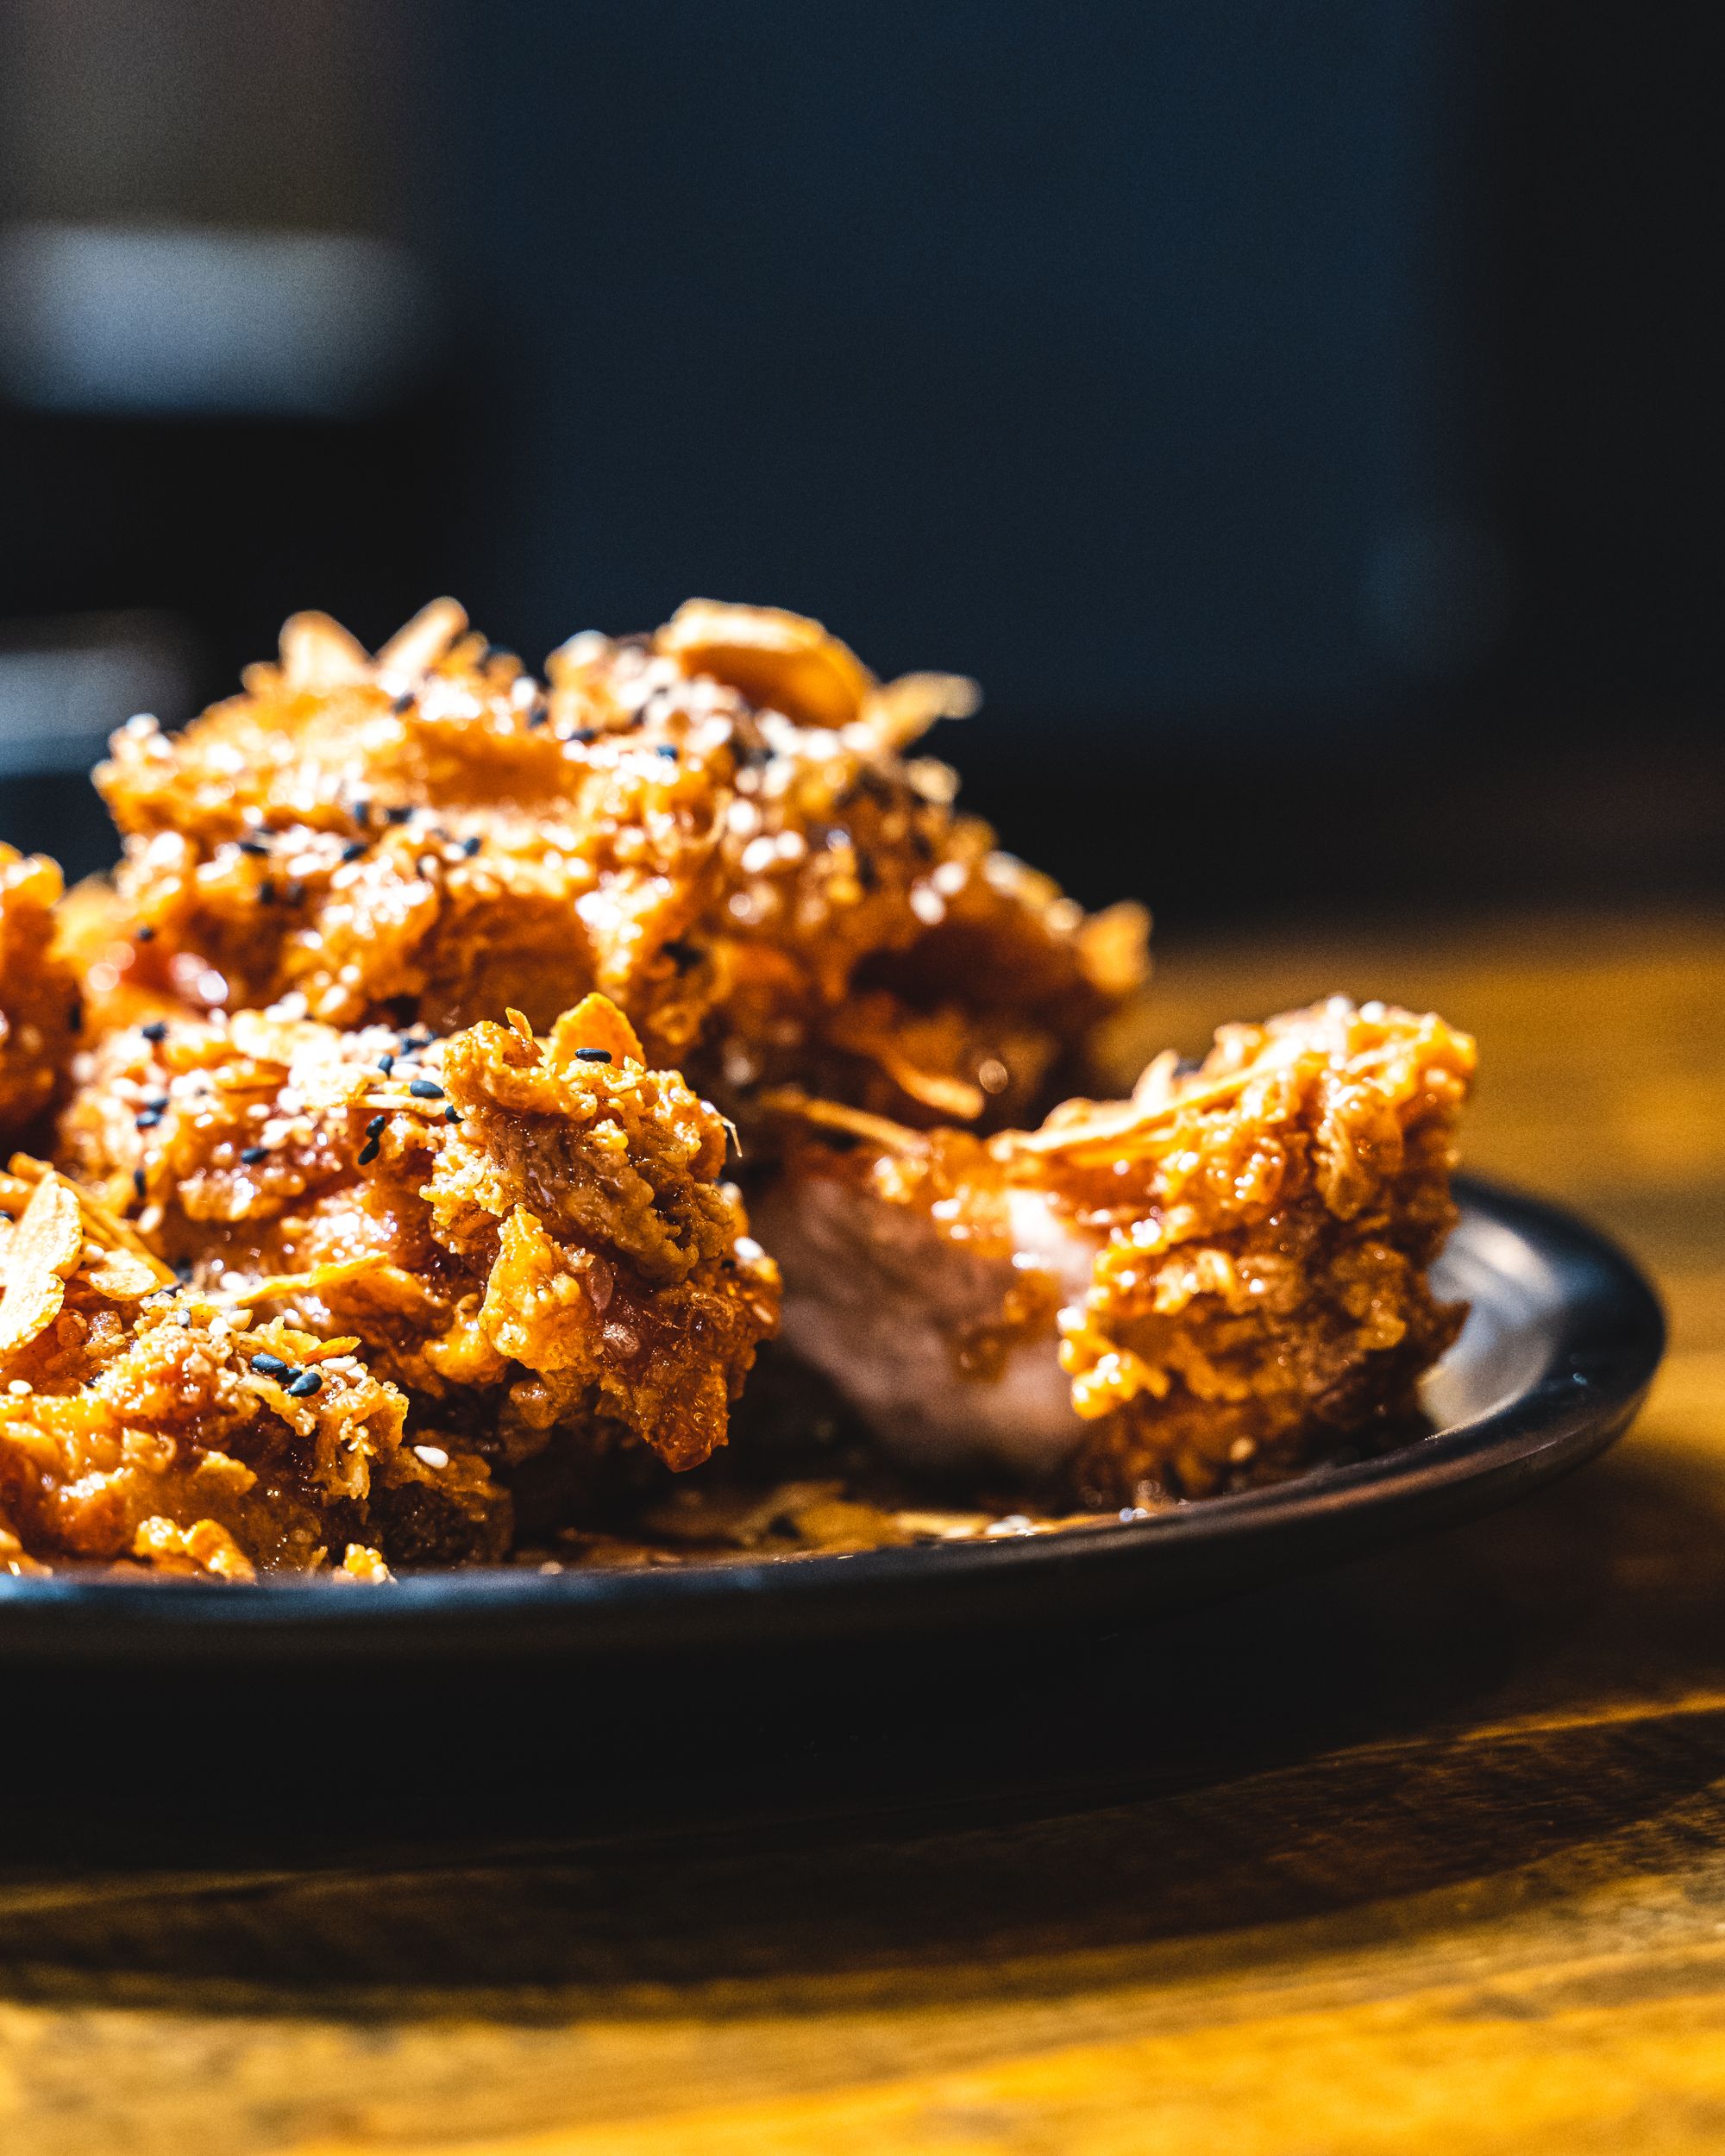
{"x": 718, "y": 827}
{"x": 144, "y": 1419}
{"x": 528, "y": 1237}
{"x": 38, "y": 997}
{"x": 1200, "y": 1287}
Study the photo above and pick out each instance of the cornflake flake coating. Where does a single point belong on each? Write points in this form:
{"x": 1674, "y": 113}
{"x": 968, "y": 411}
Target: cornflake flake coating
{"x": 1227, "y": 1272}
{"x": 717, "y": 827}
{"x": 137, "y": 1425}
{"x": 533, "y": 1244}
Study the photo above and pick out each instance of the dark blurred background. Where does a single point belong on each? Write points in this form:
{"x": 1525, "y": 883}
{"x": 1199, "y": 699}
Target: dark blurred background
{"x": 1300, "y": 416}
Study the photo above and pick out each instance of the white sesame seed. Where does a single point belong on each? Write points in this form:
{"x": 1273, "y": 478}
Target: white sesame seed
{"x": 758, "y": 856}
{"x": 433, "y": 1455}
{"x": 928, "y": 905}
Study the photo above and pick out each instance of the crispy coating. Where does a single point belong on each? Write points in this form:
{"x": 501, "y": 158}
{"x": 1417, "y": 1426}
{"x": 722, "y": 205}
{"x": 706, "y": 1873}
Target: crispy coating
{"x": 1233, "y": 1264}
{"x": 38, "y": 997}
{"x": 146, "y": 1421}
{"x": 717, "y": 827}
{"x": 528, "y": 1237}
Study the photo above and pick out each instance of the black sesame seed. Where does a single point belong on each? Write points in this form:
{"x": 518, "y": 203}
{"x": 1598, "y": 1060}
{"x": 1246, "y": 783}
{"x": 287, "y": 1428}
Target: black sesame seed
{"x": 360, "y": 810}
{"x": 355, "y": 850}
{"x": 425, "y": 1089}
{"x": 266, "y": 892}
{"x": 594, "y": 1055}
{"x": 145, "y": 935}
{"x": 271, "y": 1366}
{"x": 398, "y": 814}
{"x": 471, "y": 846}
{"x": 155, "y": 1030}
{"x": 404, "y": 702}
{"x": 156, "y": 1100}
{"x": 254, "y": 846}
{"x": 538, "y": 715}
{"x": 304, "y": 1385}
{"x": 368, "y": 1152}
{"x": 375, "y": 1128}
{"x": 449, "y": 1115}
{"x": 6, "y": 1217}
{"x": 138, "y": 1181}
{"x": 251, "y": 1155}
{"x": 669, "y": 748}
{"x": 385, "y": 1063}
{"x": 585, "y": 734}
{"x": 149, "y": 1119}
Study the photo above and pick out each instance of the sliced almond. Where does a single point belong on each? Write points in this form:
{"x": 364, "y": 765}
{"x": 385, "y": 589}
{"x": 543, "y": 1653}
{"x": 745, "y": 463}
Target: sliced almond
{"x": 121, "y": 1275}
{"x": 898, "y": 712}
{"x": 318, "y": 654}
{"x": 785, "y": 660}
{"x": 425, "y": 639}
{"x": 42, "y": 1255}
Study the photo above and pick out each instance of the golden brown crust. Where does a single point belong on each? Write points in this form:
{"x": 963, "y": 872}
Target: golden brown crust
{"x": 142, "y": 1420}
{"x": 429, "y": 837}
{"x": 533, "y": 1243}
{"x": 38, "y": 997}
{"x": 1256, "y": 1236}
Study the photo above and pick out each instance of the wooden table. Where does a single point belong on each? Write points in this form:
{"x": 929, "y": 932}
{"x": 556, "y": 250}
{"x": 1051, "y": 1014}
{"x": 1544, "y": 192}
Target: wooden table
{"x": 1427, "y": 1853}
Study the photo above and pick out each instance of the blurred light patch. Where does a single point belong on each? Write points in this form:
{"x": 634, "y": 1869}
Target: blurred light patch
{"x": 65, "y": 686}
{"x": 167, "y": 318}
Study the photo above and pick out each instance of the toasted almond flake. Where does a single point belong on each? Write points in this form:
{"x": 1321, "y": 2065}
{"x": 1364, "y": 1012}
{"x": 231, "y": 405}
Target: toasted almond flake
{"x": 833, "y": 1115}
{"x": 896, "y": 713}
{"x": 425, "y": 639}
{"x": 43, "y": 1254}
{"x": 318, "y": 654}
{"x": 954, "y": 1097}
{"x": 1131, "y": 1123}
{"x": 122, "y": 1276}
{"x": 773, "y": 658}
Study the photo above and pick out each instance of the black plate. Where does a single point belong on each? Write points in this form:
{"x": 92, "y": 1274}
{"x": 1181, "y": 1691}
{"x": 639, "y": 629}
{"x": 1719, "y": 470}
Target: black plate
{"x": 1564, "y": 1338}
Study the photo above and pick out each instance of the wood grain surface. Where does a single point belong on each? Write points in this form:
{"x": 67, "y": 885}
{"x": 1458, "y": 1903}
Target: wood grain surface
{"x": 1428, "y": 1852}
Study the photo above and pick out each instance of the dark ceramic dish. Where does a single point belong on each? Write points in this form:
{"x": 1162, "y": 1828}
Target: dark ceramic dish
{"x": 1564, "y": 1338}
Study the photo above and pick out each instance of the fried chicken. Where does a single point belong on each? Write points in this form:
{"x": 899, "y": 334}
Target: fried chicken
{"x": 1197, "y": 1288}
{"x": 717, "y": 826}
{"x": 39, "y": 997}
{"x": 147, "y": 1420}
{"x": 528, "y": 1237}
{"x": 334, "y": 1268}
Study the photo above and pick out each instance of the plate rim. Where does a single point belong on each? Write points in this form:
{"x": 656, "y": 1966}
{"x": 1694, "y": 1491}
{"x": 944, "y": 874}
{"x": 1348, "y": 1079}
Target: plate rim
{"x": 1556, "y": 1420}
